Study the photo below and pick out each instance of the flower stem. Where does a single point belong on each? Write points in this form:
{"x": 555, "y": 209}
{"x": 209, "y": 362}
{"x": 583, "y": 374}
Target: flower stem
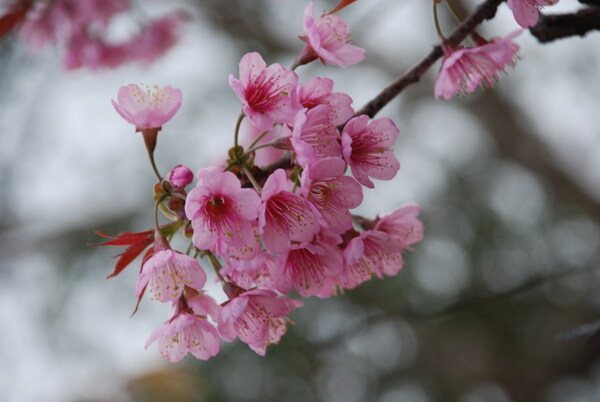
{"x": 214, "y": 262}
{"x": 257, "y": 139}
{"x": 252, "y": 179}
{"x": 237, "y": 129}
{"x": 167, "y": 213}
{"x": 150, "y": 135}
{"x": 189, "y": 248}
{"x": 437, "y": 22}
{"x": 453, "y": 11}
{"x": 268, "y": 144}
{"x": 156, "y": 206}
{"x": 153, "y": 164}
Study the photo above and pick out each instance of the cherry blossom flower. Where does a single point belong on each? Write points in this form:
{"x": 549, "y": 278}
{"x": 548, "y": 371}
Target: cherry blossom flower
{"x": 167, "y": 272}
{"x": 223, "y": 214}
{"x": 257, "y": 317}
{"x": 526, "y": 12}
{"x": 328, "y": 39}
{"x": 185, "y": 333}
{"x": 371, "y": 253}
{"x": 379, "y": 251}
{"x": 366, "y": 148}
{"x": 81, "y": 26}
{"x": 315, "y": 136}
{"x": 402, "y": 225}
{"x": 268, "y": 93}
{"x": 283, "y": 215}
{"x": 466, "y": 69}
{"x": 156, "y": 38}
{"x": 318, "y": 91}
{"x": 503, "y": 50}
{"x": 250, "y": 273}
{"x": 180, "y": 176}
{"x": 201, "y": 303}
{"x": 306, "y": 267}
{"x": 149, "y": 108}
{"x": 330, "y": 193}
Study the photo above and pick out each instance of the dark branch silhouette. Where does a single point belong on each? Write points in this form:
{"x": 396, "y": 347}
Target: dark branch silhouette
{"x": 558, "y": 26}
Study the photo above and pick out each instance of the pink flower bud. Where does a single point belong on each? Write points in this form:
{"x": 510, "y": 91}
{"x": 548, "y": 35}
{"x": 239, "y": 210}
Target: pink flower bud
{"x": 180, "y": 176}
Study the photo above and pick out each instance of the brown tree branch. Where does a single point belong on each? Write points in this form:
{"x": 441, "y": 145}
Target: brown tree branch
{"x": 484, "y": 11}
{"x": 558, "y": 26}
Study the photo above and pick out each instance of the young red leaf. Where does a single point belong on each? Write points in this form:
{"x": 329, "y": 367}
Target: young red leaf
{"x": 124, "y": 238}
{"x": 341, "y": 5}
{"x": 130, "y": 254}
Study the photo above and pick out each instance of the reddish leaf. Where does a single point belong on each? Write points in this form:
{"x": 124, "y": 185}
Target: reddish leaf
{"x": 341, "y": 5}
{"x": 137, "y": 243}
{"x": 124, "y": 238}
{"x": 137, "y": 305}
{"x": 148, "y": 254}
{"x": 130, "y": 254}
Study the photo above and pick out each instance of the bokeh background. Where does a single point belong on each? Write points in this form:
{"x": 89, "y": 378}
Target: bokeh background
{"x": 508, "y": 181}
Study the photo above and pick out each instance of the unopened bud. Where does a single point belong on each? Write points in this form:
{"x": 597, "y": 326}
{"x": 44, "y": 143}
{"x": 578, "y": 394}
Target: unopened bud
{"x": 180, "y": 176}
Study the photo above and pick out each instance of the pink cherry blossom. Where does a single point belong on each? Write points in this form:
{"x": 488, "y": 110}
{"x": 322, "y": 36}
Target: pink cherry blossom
{"x": 330, "y": 193}
{"x": 47, "y": 21}
{"x": 283, "y": 215}
{"x": 149, "y": 108}
{"x": 526, "y": 12}
{"x": 315, "y": 136}
{"x": 257, "y": 317}
{"x": 41, "y": 24}
{"x": 82, "y": 26}
{"x": 250, "y": 273}
{"x": 167, "y": 273}
{"x": 202, "y": 304}
{"x": 180, "y": 176}
{"x": 306, "y": 267}
{"x": 402, "y": 225}
{"x": 156, "y": 38}
{"x": 185, "y": 333}
{"x": 86, "y": 50}
{"x": 268, "y": 93}
{"x": 466, "y": 69}
{"x": 503, "y": 50}
{"x": 318, "y": 91}
{"x": 366, "y": 148}
{"x": 371, "y": 253}
{"x": 84, "y": 12}
{"x": 83, "y": 51}
{"x": 223, "y": 214}
{"x": 328, "y": 39}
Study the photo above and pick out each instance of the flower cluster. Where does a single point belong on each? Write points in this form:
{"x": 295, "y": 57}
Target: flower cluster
{"x": 81, "y": 27}
{"x": 268, "y": 231}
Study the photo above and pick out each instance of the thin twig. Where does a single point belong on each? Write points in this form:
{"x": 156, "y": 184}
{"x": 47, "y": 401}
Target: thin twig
{"x": 484, "y": 11}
